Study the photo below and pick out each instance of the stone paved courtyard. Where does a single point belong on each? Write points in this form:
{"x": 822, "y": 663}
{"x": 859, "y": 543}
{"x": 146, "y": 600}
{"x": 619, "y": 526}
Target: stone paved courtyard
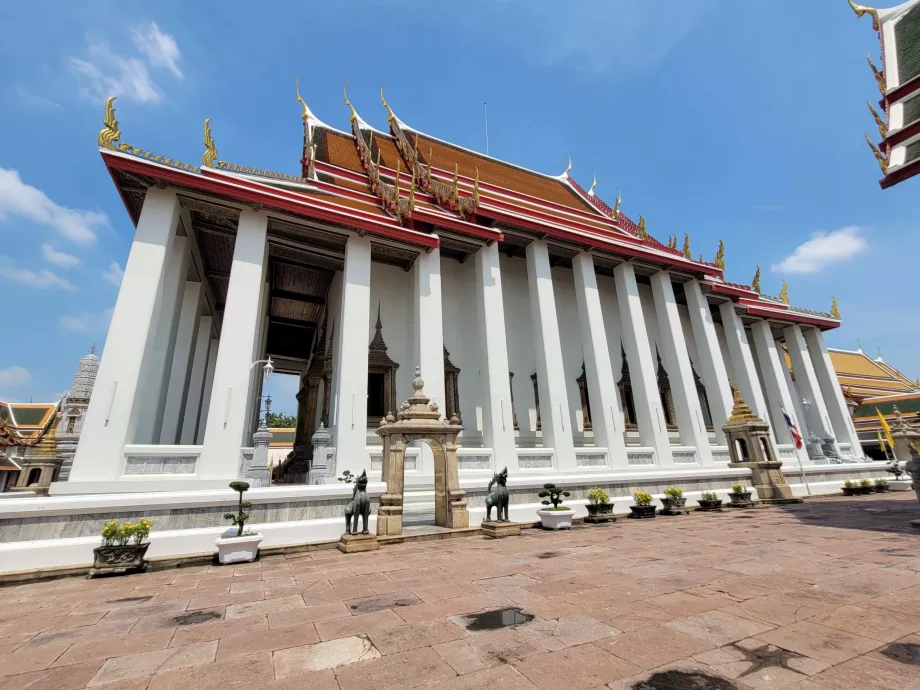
{"x": 818, "y": 596}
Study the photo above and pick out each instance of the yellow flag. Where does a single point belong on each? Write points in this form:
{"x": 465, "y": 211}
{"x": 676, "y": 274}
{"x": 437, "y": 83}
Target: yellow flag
{"x": 881, "y": 441}
{"x": 885, "y": 428}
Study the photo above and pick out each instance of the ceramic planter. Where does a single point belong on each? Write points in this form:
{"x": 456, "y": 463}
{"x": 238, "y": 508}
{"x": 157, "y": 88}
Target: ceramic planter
{"x": 674, "y": 506}
{"x": 237, "y": 549}
{"x": 117, "y": 560}
{"x": 642, "y": 512}
{"x": 742, "y": 500}
{"x": 710, "y": 505}
{"x": 865, "y": 490}
{"x": 600, "y": 512}
{"x": 556, "y": 519}
{"x": 851, "y": 490}
{"x": 881, "y": 489}
{"x": 900, "y": 485}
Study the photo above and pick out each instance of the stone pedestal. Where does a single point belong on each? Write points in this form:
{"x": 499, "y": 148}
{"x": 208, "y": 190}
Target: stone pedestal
{"x": 498, "y": 530}
{"x": 258, "y": 474}
{"x": 768, "y": 479}
{"x": 356, "y": 543}
{"x": 319, "y": 467}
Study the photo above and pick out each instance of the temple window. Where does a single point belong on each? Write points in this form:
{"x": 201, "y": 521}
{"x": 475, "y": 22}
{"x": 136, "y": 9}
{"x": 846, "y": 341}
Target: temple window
{"x": 71, "y": 424}
{"x": 376, "y": 402}
{"x": 381, "y": 377}
{"x": 582, "y": 382}
{"x": 704, "y": 399}
{"x": 514, "y": 419}
{"x": 536, "y": 399}
{"x": 667, "y": 397}
{"x": 451, "y": 388}
{"x": 34, "y": 475}
{"x": 626, "y": 394}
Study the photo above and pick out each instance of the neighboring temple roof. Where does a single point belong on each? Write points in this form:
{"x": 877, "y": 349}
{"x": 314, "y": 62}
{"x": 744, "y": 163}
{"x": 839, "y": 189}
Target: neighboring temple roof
{"x": 282, "y": 437}
{"x": 862, "y": 377}
{"x": 27, "y": 419}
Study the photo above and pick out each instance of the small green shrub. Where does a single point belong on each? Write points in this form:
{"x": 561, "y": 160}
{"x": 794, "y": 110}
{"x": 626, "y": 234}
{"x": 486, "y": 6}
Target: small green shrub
{"x": 642, "y": 498}
{"x": 347, "y": 477}
{"x": 554, "y": 494}
{"x": 598, "y": 495}
{"x": 848, "y": 484}
{"x": 865, "y": 482}
{"x": 114, "y": 534}
{"x": 739, "y": 489}
{"x": 710, "y": 496}
{"x": 881, "y": 483}
{"x": 674, "y": 493}
{"x": 239, "y": 519}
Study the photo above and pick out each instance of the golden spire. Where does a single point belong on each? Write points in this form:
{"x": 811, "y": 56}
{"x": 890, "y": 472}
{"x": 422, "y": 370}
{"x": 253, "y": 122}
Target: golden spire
{"x": 109, "y": 134}
{"x": 741, "y": 412}
{"x": 640, "y": 229}
{"x": 860, "y": 10}
{"x": 565, "y": 173}
{"x": 210, "y": 150}
{"x": 784, "y": 293}
{"x": 353, "y": 116}
{"x": 593, "y": 184}
{"x": 882, "y": 127}
{"x": 720, "y": 255}
{"x": 672, "y": 241}
{"x": 882, "y": 161}
{"x": 616, "y": 206}
{"x": 755, "y": 284}
{"x": 307, "y": 114}
{"x": 390, "y": 115}
{"x": 879, "y": 77}
{"x": 685, "y": 250}
{"x": 835, "y": 312}
{"x": 476, "y": 189}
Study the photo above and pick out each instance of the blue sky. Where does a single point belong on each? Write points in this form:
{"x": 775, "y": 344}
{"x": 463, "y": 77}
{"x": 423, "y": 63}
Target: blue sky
{"x": 730, "y": 120}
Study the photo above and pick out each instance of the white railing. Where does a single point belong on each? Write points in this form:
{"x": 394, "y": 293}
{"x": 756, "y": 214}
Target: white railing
{"x": 685, "y": 455}
{"x": 475, "y": 459}
{"x": 591, "y": 457}
{"x": 721, "y": 454}
{"x": 146, "y": 460}
{"x": 536, "y": 458}
{"x": 641, "y": 457}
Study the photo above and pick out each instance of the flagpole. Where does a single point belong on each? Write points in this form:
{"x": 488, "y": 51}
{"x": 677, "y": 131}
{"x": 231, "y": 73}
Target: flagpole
{"x": 798, "y": 457}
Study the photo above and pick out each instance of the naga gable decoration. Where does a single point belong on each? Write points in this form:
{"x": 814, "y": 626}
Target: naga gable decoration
{"x": 109, "y": 134}
{"x": 720, "y": 255}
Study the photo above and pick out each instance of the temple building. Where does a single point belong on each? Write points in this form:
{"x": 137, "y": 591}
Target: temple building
{"x": 564, "y": 336}
{"x": 897, "y": 149}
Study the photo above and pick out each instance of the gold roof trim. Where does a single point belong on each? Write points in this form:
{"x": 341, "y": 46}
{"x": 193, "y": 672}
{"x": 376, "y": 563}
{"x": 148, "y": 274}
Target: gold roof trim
{"x": 685, "y": 250}
{"x": 210, "y": 150}
{"x": 755, "y": 284}
{"x": 860, "y": 10}
{"x": 720, "y": 255}
{"x": 835, "y": 312}
{"x": 784, "y": 293}
{"x": 109, "y": 134}
{"x": 307, "y": 113}
{"x": 881, "y": 159}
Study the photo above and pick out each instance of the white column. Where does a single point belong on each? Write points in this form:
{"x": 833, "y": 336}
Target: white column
{"x": 207, "y": 390}
{"x": 350, "y": 394}
{"x": 228, "y": 411}
{"x": 602, "y": 391}
{"x": 796, "y": 396}
{"x": 193, "y": 396}
{"x": 690, "y": 424}
{"x": 554, "y": 402}
{"x": 772, "y": 363}
{"x": 113, "y": 411}
{"x": 183, "y": 352}
{"x": 743, "y": 361}
{"x": 652, "y": 425}
{"x": 815, "y": 411}
{"x": 429, "y": 331}
{"x": 713, "y": 372}
{"x": 837, "y": 409}
{"x": 497, "y": 418}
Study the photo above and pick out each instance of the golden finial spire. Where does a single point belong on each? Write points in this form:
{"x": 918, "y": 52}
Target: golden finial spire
{"x": 879, "y": 77}
{"x": 476, "y": 189}
{"x": 565, "y": 173}
{"x": 616, "y": 206}
{"x": 741, "y": 411}
{"x": 860, "y": 10}
{"x": 593, "y": 184}
{"x": 720, "y": 255}
{"x": 672, "y": 241}
{"x": 685, "y": 250}
{"x": 307, "y": 114}
{"x": 835, "y": 312}
{"x": 353, "y": 116}
{"x": 383, "y": 100}
{"x": 784, "y": 293}
{"x": 640, "y": 229}
{"x": 882, "y": 161}
{"x": 109, "y": 134}
{"x": 755, "y": 284}
{"x": 210, "y": 150}
{"x": 882, "y": 127}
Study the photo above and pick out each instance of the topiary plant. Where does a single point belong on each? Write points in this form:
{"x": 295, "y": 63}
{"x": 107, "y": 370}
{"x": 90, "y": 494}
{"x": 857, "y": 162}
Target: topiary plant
{"x": 642, "y": 498}
{"x": 710, "y": 496}
{"x": 847, "y": 483}
{"x": 240, "y": 518}
{"x": 881, "y": 482}
{"x": 554, "y": 494}
{"x": 598, "y": 495}
{"x": 865, "y": 482}
{"x": 674, "y": 493}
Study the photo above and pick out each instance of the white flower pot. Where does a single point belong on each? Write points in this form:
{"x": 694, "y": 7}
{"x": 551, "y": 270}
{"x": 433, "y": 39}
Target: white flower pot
{"x": 556, "y": 519}
{"x": 900, "y": 485}
{"x": 237, "y": 549}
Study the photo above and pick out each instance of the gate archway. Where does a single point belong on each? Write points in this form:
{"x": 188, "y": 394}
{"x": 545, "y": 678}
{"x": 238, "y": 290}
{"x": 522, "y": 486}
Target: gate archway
{"x": 418, "y": 419}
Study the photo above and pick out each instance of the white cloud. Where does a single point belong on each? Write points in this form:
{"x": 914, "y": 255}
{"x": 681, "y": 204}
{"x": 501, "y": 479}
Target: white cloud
{"x": 114, "y": 274}
{"x": 35, "y": 101}
{"x": 25, "y": 201}
{"x": 161, "y": 49}
{"x": 14, "y": 376}
{"x": 43, "y": 279}
{"x": 824, "y": 249}
{"x": 62, "y": 259}
{"x": 87, "y": 321}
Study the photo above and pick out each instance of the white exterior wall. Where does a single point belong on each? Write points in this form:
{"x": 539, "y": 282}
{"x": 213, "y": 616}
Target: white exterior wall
{"x": 522, "y": 357}
{"x": 572, "y": 350}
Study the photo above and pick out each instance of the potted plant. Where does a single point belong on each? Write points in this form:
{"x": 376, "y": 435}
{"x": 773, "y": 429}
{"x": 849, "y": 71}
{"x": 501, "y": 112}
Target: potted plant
{"x": 600, "y": 509}
{"x": 710, "y": 501}
{"x": 239, "y": 545}
{"x": 865, "y": 487}
{"x": 740, "y": 497}
{"x": 882, "y": 486}
{"x": 849, "y": 488}
{"x": 899, "y": 484}
{"x": 643, "y": 507}
{"x": 123, "y": 548}
{"x": 555, "y": 515}
{"x": 674, "y": 502}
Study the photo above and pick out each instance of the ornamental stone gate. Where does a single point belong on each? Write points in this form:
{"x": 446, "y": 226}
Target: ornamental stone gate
{"x": 419, "y": 419}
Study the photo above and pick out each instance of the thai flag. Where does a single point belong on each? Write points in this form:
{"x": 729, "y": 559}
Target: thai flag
{"x": 793, "y": 429}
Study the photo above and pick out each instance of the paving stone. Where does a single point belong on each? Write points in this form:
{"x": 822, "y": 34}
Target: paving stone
{"x": 316, "y": 657}
{"x": 247, "y": 670}
{"x": 407, "y": 637}
{"x": 654, "y": 646}
{"x": 405, "y": 670}
{"x": 820, "y": 642}
{"x": 573, "y": 668}
{"x": 718, "y": 627}
{"x": 382, "y": 602}
{"x": 268, "y": 606}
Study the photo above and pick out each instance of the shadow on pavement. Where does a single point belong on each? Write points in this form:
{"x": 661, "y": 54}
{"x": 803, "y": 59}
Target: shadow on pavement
{"x": 875, "y": 513}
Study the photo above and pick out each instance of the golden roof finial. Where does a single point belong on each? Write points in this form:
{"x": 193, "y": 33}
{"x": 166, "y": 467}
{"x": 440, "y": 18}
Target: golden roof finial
{"x": 720, "y": 255}
{"x": 860, "y": 10}
{"x": 755, "y": 284}
{"x": 210, "y": 150}
{"x": 882, "y": 127}
{"x": 390, "y": 115}
{"x": 476, "y": 189}
{"x": 672, "y": 241}
{"x": 835, "y": 312}
{"x": 784, "y": 293}
{"x": 353, "y": 116}
{"x": 565, "y": 173}
{"x": 616, "y": 206}
{"x": 109, "y": 133}
{"x": 685, "y": 250}
{"x": 641, "y": 229}
{"x": 593, "y": 184}
{"x": 882, "y": 161}
{"x": 879, "y": 77}
{"x": 307, "y": 114}
{"x": 741, "y": 412}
